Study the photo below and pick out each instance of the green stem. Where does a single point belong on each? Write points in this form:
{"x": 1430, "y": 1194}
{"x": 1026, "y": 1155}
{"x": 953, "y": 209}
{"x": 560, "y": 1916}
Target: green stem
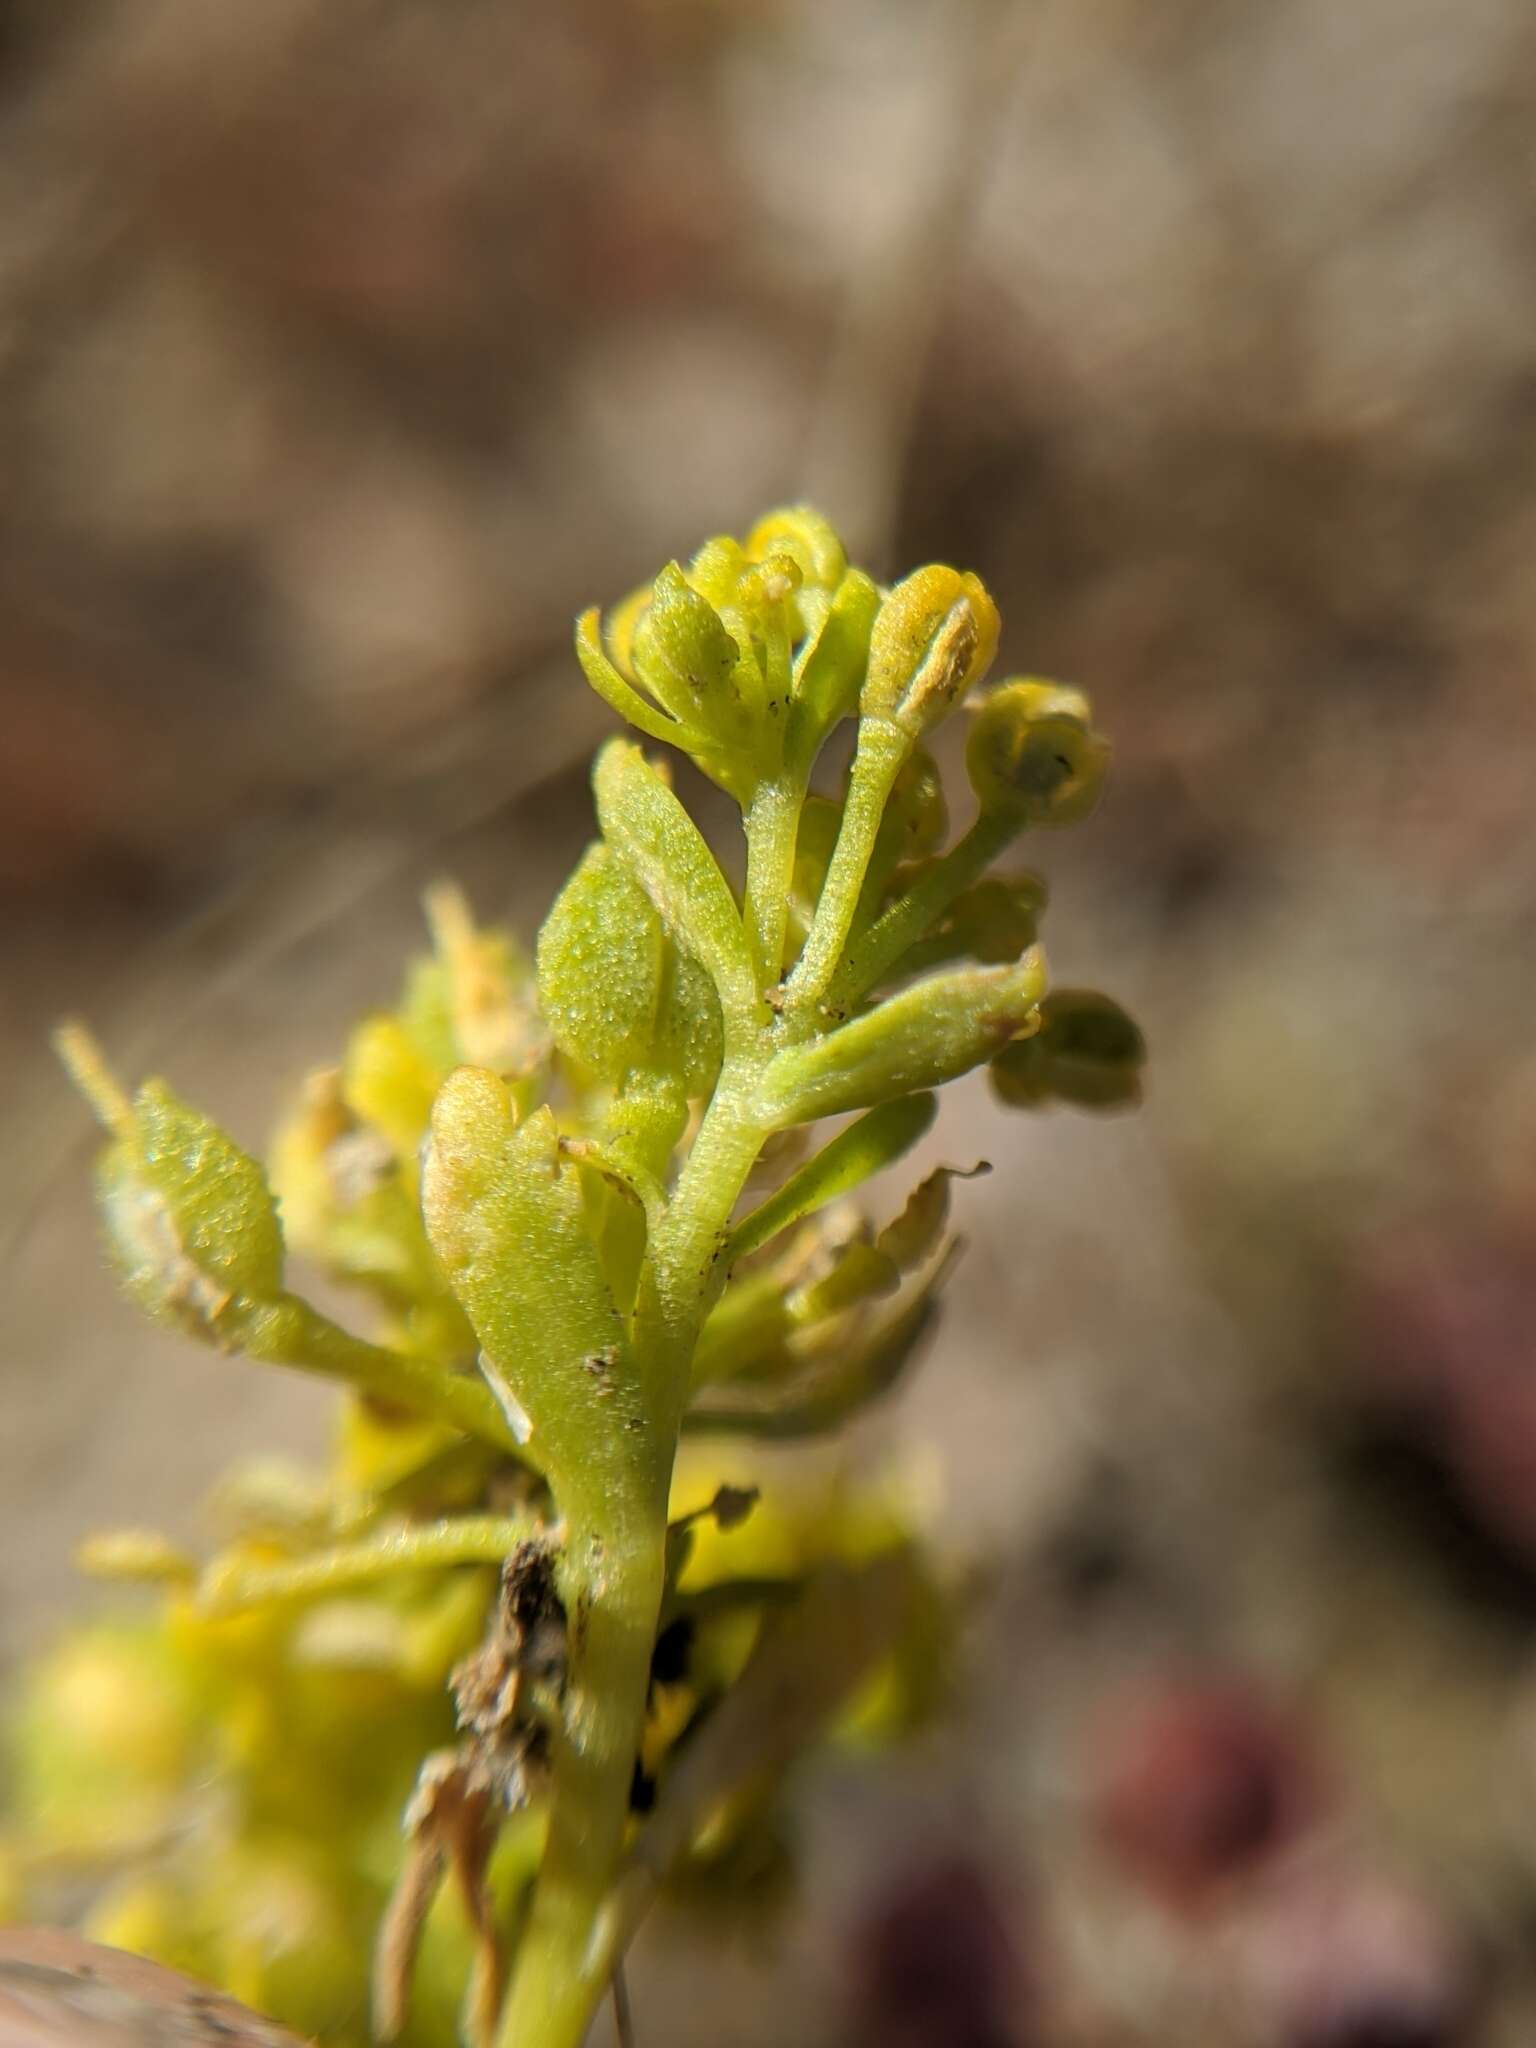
{"x": 613, "y": 1602}
{"x": 287, "y": 1331}
{"x": 909, "y": 918}
{"x": 881, "y": 751}
{"x": 772, "y": 826}
{"x": 688, "y": 1251}
{"x": 613, "y": 1589}
{"x": 230, "y": 1588}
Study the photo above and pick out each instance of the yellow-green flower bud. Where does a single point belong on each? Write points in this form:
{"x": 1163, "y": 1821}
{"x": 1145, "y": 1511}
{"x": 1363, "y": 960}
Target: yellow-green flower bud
{"x": 1087, "y": 1052}
{"x": 688, "y": 661}
{"x": 933, "y": 638}
{"x": 802, "y": 533}
{"x": 715, "y": 571}
{"x": 1033, "y": 751}
{"x": 387, "y": 1083}
{"x": 618, "y": 630}
{"x": 829, "y": 669}
{"x": 771, "y": 581}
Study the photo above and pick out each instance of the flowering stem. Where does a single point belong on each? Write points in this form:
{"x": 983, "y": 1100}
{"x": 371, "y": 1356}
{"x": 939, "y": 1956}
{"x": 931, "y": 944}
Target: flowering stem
{"x": 613, "y": 1588}
{"x": 612, "y": 1602}
{"x": 287, "y": 1331}
{"x": 460, "y": 1539}
{"x": 905, "y": 921}
{"x": 882, "y": 748}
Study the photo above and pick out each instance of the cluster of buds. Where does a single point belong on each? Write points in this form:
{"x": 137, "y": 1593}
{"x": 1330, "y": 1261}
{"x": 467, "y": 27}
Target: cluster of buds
{"x": 580, "y": 1191}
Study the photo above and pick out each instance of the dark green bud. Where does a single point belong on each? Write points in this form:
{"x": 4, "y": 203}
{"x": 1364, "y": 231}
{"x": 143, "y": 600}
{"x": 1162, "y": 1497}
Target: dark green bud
{"x": 1087, "y": 1051}
{"x": 1033, "y": 751}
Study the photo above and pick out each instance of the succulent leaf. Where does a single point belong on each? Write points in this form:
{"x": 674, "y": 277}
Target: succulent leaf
{"x": 927, "y": 1034}
{"x": 505, "y": 1215}
{"x": 600, "y": 967}
{"x": 867, "y": 1147}
{"x": 646, "y": 824}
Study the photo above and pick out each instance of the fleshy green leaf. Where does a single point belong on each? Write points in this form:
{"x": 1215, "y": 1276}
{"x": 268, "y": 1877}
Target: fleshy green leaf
{"x": 505, "y": 1215}
{"x": 689, "y": 1032}
{"x": 829, "y": 671}
{"x": 600, "y": 967}
{"x": 194, "y": 1232}
{"x": 930, "y": 1033}
{"x": 190, "y": 1221}
{"x": 622, "y": 696}
{"x": 836, "y": 1384}
{"x": 864, "y": 1148}
{"x": 644, "y": 822}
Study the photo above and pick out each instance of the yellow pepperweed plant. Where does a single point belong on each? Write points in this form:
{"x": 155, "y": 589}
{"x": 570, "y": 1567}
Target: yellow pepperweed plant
{"x": 416, "y": 1748}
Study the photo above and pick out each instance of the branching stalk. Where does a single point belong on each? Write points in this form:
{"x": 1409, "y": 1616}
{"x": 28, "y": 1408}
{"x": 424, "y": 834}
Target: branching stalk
{"x": 882, "y": 749}
{"x": 871, "y": 952}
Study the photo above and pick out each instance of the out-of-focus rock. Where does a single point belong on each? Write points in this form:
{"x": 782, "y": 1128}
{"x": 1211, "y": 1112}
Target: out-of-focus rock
{"x": 937, "y": 1965}
{"x": 57, "y": 1991}
{"x": 1198, "y": 1784}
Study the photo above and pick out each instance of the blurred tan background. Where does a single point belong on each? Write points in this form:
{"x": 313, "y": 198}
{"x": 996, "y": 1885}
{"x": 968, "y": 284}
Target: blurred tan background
{"x": 348, "y": 348}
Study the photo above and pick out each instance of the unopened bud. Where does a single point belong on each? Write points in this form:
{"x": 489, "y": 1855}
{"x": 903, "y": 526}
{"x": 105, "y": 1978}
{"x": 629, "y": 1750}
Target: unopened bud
{"x": 1032, "y": 750}
{"x": 798, "y": 531}
{"x": 619, "y": 630}
{"x": 685, "y": 657}
{"x": 933, "y": 638}
{"x": 716, "y": 569}
{"x": 1087, "y": 1051}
